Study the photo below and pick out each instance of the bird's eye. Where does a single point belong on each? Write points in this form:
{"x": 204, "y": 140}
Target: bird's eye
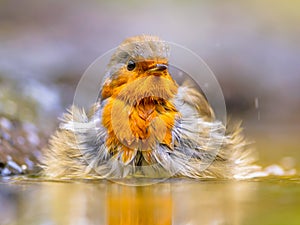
{"x": 131, "y": 65}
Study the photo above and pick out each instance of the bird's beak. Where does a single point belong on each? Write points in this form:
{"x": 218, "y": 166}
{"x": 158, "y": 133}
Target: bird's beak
{"x": 158, "y": 67}
{"x": 161, "y": 67}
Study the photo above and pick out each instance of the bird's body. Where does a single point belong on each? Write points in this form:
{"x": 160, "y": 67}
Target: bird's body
{"x": 144, "y": 124}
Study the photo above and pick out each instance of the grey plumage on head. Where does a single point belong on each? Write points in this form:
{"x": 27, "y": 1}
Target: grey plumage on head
{"x": 138, "y": 48}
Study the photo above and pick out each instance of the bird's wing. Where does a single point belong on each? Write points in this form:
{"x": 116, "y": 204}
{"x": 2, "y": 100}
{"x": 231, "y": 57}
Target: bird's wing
{"x": 187, "y": 95}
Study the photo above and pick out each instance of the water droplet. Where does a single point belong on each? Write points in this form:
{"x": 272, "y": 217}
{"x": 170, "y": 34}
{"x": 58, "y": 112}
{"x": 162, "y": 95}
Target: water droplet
{"x": 24, "y": 167}
{"x": 256, "y": 103}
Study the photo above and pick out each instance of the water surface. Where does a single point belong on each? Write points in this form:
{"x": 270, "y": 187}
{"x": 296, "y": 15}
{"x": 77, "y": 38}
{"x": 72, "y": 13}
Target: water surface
{"x": 176, "y": 201}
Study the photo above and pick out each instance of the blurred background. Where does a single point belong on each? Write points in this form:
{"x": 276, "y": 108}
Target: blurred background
{"x": 252, "y": 47}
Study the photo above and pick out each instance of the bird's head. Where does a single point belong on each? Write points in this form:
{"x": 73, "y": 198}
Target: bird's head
{"x": 139, "y": 69}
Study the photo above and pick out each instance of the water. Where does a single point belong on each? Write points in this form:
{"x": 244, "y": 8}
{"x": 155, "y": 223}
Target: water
{"x": 272, "y": 200}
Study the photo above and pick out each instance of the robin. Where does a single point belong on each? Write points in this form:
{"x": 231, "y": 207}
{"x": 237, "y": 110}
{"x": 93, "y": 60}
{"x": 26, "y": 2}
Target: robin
{"x": 145, "y": 125}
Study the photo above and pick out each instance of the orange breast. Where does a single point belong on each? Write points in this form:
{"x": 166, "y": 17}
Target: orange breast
{"x": 139, "y": 112}
{"x": 138, "y": 127}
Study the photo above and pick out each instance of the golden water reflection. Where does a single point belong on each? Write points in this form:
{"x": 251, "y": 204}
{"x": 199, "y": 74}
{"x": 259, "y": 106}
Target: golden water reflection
{"x": 103, "y": 202}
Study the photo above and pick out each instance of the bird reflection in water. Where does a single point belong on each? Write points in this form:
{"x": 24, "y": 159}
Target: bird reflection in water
{"x": 102, "y": 202}
{"x": 139, "y": 205}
